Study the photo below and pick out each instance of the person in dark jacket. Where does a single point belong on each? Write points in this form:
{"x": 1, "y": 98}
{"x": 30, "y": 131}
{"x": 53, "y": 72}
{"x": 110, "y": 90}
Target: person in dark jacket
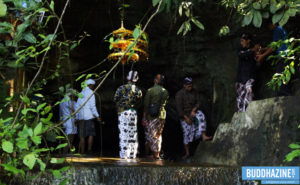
{"x": 192, "y": 119}
{"x": 246, "y": 74}
{"x": 278, "y": 34}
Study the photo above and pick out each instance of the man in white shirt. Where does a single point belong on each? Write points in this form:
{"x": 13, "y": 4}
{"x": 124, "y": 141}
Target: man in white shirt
{"x": 86, "y": 116}
{"x": 66, "y": 108}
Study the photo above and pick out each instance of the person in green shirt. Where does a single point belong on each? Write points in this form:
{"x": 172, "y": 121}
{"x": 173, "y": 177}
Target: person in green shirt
{"x": 155, "y": 115}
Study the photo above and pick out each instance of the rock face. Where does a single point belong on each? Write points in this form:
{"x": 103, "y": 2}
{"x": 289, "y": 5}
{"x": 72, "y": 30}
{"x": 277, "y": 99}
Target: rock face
{"x": 259, "y": 136}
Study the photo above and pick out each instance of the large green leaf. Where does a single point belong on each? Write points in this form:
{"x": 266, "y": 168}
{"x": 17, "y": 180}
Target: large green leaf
{"x": 46, "y": 110}
{"x": 38, "y": 129}
{"x": 42, "y": 164}
{"x": 13, "y": 169}
{"x": 264, "y": 3}
{"x": 7, "y": 146}
{"x": 28, "y": 130}
{"x": 22, "y": 143}
{"x": 257, "y": 19}
{"x": 197, "y": 23}
{"x": 273, "y": 7}
{"x": 29, "y": 37}
{"x": 47, "y": 120}
{"x": 277, "y": 17}
{"x": 25, "y": 99}
{"x": 25, "y": 111}
{"x": 187, "y": 27}
{"x": 290, "y": 156}
{"x": 3, "y": 9}
{"x": 41, "y": 106}
{"x": 257, "y": 6}
{"x": 22, "y": 27}
{"x": 180, "y": 29}
{"x": 284, "y": 19}
{"x": 23, "y": 134}
{"x": 41, "y": 150}
{"x": 292, "y": 12}
{"x": 292, "y": 69}
{"x": 61, "y": 146}
{"x": 136, "y": 32}
{"x": 280, "y": 4}
{"x": 29, "y": 160}
{"x": 294, "y": 146}
{"x": 248, "y": 18}
{"x": 52, "y": 5}
{"x": 36, "y": 139}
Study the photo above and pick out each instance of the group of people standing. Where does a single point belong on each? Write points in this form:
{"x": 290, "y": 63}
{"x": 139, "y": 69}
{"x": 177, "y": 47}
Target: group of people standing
{"x": 250, "y": 57}
{"x": 154, "y": 115}
{"x": 84, "y": 117}
{"x": 127, "y": 97}
{"x": 192, "y": 119}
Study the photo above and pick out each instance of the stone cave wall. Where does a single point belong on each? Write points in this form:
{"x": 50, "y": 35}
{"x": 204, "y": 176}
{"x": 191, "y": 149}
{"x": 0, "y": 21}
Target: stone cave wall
{"x": 211, "y": 60}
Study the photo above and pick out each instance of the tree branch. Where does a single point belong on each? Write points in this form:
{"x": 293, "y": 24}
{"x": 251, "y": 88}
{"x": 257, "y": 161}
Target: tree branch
{"x": 42, "y": 63}
{"x": 107, "y": 74}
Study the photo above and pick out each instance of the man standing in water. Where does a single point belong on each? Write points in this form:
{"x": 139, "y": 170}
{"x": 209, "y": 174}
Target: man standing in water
{"x": 126, "y": 97}
{"x": 154, "y": 116}
{"x": 86, "y": 116}
{"x": 192, "y": 120}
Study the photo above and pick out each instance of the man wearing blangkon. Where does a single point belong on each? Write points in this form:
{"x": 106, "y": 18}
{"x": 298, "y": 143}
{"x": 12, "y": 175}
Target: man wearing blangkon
{"x": 192, "y": 120}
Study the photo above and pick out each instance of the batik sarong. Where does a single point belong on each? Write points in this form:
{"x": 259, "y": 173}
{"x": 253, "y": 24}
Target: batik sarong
{"x": 194, "y": 130}
{"x": 244, "y": 94}
{"x": 154, "y": 134}
{"x": 128, "y": 134}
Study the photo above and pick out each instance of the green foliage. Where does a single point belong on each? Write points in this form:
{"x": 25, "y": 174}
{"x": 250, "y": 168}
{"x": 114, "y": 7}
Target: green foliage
{"x": 294, "y": 153}
{"x": 187, "y": 8}
{"x": 290, "y": 56}
{"x": 225, "y": 30}
{"x": 255, "y": 11}
{"x": 3, "y": 8}
{"x": 23, "y": 42}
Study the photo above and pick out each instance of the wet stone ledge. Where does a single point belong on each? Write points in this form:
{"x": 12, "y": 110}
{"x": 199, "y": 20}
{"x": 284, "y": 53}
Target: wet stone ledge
{"x": 95, "y": 174}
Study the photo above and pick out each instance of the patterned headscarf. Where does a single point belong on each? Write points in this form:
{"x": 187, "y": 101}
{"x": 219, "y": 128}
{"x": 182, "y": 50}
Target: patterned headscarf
{"x": 187, "y": 80}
